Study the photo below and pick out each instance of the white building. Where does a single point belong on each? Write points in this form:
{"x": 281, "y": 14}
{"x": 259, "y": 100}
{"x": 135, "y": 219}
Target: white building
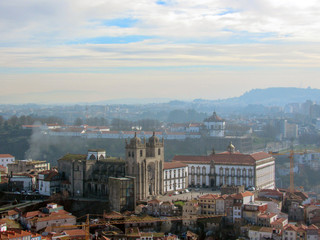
{"x": 175, "y": 176}
{"x": 215, "y": 125}
{"x": 49, "y": 182}
{"x": 5, "y": 159}
{"x": 230, "y": 168}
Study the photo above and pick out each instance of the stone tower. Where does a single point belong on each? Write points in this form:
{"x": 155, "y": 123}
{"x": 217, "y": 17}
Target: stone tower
{"x": 144, "y": 161}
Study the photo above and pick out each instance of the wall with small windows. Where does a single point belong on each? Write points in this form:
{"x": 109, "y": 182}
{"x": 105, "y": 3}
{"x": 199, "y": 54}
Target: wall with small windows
{"x": 175, "y": 179}
{"x": 5, "y": 159}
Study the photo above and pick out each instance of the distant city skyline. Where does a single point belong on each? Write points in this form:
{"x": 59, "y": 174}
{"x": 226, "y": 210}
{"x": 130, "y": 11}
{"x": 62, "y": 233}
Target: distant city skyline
{"x": 84, "y": 51}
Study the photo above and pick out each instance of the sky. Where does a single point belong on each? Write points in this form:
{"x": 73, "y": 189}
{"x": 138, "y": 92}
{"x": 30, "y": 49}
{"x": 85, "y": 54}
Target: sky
{"x": 86, "y": 51}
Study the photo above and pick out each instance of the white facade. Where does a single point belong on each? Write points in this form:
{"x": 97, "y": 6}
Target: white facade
{"x": 175, "y": 179}
{"x": 265, "y": 175}
{"x": 5, "y": 159}
{"x": 44, "y": 187}
{"x": 230, "y": 168}
{"x": 237, "y": 212}
{"x": 199, "y": 174}
{"x": 216, "y": 129}
{"x": 215, "y": 125}
{"x": 235, "y": 175}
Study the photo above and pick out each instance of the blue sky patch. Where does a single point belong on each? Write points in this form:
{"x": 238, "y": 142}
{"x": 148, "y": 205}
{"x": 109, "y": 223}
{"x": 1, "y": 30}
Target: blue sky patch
{"x": 112, "y": 40}
{"x": 160, "y": 2}
{"x": 227, "y": 11}
{"x": 121, "y": 22}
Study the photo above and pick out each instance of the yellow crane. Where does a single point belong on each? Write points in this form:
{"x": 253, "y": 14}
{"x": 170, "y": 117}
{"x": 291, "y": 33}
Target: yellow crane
{"x": 87, "y": 224}
{"x": 291, "y": 154}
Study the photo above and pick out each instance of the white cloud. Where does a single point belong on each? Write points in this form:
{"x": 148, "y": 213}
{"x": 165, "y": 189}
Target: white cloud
{"x": 46, "y": 44}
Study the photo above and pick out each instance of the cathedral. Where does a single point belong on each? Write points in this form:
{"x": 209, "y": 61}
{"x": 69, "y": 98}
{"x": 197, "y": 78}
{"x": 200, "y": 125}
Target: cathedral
{"x": 144, "y": 161}
{"x": 88, "y": 175}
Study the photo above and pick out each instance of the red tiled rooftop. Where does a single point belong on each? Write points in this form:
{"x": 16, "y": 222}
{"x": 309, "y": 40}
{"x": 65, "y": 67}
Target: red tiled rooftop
{"x": 6, "y": 156}
{"x": 170, "y": 165}
{"x": 31, "y": 214}
{"x": 209, "y": 196}
{"x": 75, "y": 232}
{"x": 224, "y": 158}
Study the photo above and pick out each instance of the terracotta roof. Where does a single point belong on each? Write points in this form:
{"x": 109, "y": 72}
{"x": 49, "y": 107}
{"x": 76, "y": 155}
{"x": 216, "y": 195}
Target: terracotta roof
{"x": 14, "y": 233}
{"x": 214, "y": 118}
{"x": 224, "y": 158}
{"x": 6, "y": 156}
{"x": 291, "y": 227}
{"x": 267, "y": 215}
{"x": 272, "y": 192}
{"x": 12, "y": 212}
{"x": 209, "y": 196}
{"x": 31, "y": 214}
{"x": 75, "y": 232}
{"x": 170, "y": 165}
{"x": 242, "y": 195}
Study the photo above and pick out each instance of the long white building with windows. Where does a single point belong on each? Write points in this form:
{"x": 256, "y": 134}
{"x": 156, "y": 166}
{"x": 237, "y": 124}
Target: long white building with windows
{"x": 175, "y": 176}
{"x": 230, "y": 168}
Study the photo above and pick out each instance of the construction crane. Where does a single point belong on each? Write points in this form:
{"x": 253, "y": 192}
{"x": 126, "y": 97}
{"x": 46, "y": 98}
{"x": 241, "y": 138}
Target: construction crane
{"x": 291, "y": 154}
{"x": 87, "y": 224}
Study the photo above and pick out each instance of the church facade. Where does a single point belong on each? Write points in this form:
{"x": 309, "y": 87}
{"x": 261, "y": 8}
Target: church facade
{"x": 88, "y": 175}
{"x": 145, "y": 162}
{"x": 230, "y": 168}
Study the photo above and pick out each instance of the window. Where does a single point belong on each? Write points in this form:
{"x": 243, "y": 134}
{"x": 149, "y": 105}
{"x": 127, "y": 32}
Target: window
{"x": 159, "y": 151}
{"x": 141, "y": 153}
{"x": 129, "y": 154}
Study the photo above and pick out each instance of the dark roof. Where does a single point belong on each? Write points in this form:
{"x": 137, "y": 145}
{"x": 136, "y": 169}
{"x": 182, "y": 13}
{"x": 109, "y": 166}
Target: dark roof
{"x": 70, "y": 157}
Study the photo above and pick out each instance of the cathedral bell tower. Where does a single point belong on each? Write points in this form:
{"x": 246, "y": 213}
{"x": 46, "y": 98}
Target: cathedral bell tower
{"x": 144, "y": 161}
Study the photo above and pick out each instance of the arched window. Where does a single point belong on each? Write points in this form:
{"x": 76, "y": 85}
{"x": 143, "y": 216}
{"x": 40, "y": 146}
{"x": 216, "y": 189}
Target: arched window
{"x": 198, "y": 170}
{"x": 92, "y": 157}
{"x": 159, "y": 151}
{"x": 203, "y": 170}
{"x": 232, "y": 172}
{"x": 192, "y": 169}
{"x": 244, "y": 173}
{"x": 141, "y": 153}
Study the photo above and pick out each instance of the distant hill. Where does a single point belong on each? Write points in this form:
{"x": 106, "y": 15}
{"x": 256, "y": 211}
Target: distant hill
{"x": 271, "y": 97}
